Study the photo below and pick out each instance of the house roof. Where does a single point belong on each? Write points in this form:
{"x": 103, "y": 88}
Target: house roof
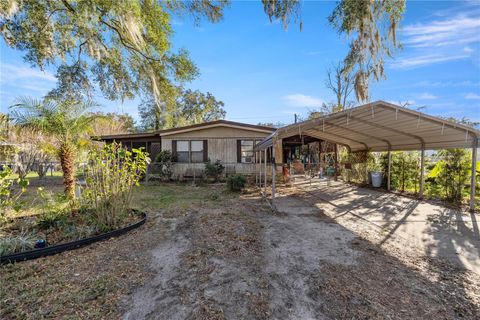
{"x": 194, "y": 127}
{"x": 382, "y": 126}
{"x": 127, "y": 136}
{"x": 213, "y": 124}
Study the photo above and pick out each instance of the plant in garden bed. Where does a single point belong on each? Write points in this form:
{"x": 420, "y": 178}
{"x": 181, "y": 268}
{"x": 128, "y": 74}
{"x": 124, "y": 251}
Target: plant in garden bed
{"x": 164, "y": 165}
{"x": 112, "y": 174}
{"x": 236, "y": 182}
{"x": 52, "y": 212}
{"x": 8, "y": 197}
{"x": 17, "y": 243}
{"x": 214, "y": 170}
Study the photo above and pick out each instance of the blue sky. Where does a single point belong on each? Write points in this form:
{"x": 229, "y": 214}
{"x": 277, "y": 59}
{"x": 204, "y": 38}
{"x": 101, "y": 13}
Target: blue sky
{"x": 266, "y": 74}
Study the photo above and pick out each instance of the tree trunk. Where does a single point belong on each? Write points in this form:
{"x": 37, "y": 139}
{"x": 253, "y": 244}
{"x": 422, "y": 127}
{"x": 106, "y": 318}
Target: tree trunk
{"x": 67, "y": 161}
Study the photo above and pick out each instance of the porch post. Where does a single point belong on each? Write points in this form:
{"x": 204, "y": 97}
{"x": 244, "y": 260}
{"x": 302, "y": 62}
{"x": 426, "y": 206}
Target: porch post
{"x": 255, "y": 167}
{"x": 389, "y": 168}
{"x": 265, "y": 167}
{"x": 474, "y": 172}
{"x": 336, "y": 166}
{"x": 273, "y": 173}
{"x": 422, "y": 164}
{"x": 260, "y": 170}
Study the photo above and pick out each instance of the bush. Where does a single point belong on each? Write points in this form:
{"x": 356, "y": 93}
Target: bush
{"x": 164, "y": 164}
{"x": 51, "y": 211}
{"x": 112, "y": 173}
{"x": 236, "y": 182}
{"x": 214, "y": 170}
{"x": 22, "y": 242}
{"x": 9, "y": 198}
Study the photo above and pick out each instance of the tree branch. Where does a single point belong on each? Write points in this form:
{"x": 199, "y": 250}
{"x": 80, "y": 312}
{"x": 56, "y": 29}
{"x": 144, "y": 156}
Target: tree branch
{"x": 126, "y": 44}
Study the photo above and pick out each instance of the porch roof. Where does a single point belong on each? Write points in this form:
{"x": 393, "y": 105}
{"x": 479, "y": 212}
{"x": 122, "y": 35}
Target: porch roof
{"x": 381, "y": 126}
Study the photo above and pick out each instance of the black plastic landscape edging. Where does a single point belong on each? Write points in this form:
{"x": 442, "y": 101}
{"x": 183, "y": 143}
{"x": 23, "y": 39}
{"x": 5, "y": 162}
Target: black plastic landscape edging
{"x": 51, "y": 250}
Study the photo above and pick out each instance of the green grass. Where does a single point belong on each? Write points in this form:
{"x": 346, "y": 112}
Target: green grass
{"x": 164, "y": 196}
{"x": 34, "y": 175}
{"x": 175, "y": 196}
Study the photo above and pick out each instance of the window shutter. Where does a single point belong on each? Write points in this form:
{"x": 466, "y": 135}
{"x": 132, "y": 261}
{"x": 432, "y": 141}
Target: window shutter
{"x": 205, "y": 150}
{"x": 239, "y": 151}
{"x": 174, "y": 149}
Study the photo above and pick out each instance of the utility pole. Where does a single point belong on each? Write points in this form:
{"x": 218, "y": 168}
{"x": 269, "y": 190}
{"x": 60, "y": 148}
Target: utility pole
{"x": 295, "y": 117}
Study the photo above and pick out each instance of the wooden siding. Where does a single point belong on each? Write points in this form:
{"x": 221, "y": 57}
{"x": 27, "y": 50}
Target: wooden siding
{"x": 223, "y": 149}
{"x": 222, "y": 145}
{"x": 167, "y": 144}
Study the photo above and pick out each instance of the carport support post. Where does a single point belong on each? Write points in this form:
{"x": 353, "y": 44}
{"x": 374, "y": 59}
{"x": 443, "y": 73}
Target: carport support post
{"x": 274, "y": 173}
{"x": 474, "y": 172}
{"x": 255, "y": 168}
{"x": 389, "y": 171}
{"x": 265, "y": 181}
{"x": 260, "y": 170}
{"x": 422, "y": 171}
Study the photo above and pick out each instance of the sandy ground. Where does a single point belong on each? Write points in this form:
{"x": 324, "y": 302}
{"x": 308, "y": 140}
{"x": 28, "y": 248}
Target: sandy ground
{"x": 438, "y": 231}
{"x": 236, "y": 259}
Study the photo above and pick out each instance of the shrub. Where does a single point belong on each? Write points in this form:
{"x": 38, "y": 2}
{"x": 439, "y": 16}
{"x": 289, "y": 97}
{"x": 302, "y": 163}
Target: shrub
{"x": 77, "y": 232}
{"x": 164, "y": 164}
{"x": 9, "y": 198}
{"x": 112, "y": 173}
{"x": 164, "y": 156}
{"x": 51, "y": 209}
{"x": 236, "y": 182}
{"x": 214, "y": 170}
{"x": 22, "y": 242}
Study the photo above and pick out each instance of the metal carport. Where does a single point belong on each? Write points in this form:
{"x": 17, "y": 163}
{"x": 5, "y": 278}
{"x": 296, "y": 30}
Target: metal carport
{"x": 383, "y": 126}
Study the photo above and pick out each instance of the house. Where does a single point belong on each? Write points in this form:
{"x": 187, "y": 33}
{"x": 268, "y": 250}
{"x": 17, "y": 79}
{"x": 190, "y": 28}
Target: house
{"x": 230, "y": 142}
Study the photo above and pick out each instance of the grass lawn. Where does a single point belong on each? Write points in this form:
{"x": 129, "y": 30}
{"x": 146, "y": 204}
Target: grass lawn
{"x": 34, "y": 175}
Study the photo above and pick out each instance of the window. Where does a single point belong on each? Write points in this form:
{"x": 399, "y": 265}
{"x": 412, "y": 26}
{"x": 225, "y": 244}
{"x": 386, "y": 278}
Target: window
{"x": 190, "y": 151}
{"x": 196, "y": 148}
{"x": 246, "y": 151}
{"x": 183, "y": 151}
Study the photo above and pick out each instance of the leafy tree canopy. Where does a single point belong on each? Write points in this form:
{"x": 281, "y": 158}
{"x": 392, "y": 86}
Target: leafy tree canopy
{"x": 112, "y": 123}
{"x": 372, "y": 25}
{"x": 190, "y": 107}
{"x": 120, "y": 46}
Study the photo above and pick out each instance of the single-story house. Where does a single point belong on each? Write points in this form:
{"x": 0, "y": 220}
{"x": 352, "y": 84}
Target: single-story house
{"x": 230, "y": 142}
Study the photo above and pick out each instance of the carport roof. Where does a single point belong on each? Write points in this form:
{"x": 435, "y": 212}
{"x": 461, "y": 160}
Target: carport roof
{"x": 381, "y": 126}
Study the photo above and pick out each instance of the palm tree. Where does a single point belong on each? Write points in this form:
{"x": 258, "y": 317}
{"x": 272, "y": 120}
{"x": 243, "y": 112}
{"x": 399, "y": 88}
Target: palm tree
{"x": 66, "y": 122}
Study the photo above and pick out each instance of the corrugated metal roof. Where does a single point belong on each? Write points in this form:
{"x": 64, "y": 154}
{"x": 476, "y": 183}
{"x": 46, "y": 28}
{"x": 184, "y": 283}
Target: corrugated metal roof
{"x": 380, "y": 126}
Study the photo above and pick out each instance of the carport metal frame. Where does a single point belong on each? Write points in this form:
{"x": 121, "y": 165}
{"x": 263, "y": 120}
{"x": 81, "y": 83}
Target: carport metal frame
{"x": 362, "y": 129}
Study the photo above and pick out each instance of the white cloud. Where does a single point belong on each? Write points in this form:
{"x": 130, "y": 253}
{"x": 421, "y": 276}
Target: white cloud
{"x": 301, "y": 100}
{"x": 427, "y": 96}
{"x": 442, "y": 84}
{"x": 10, "y": 73}
{"x": 425, "y": 60}
{"x": 458, "y": 29}
{"x": 448, "y": 38}
{"x": 472, "y": 96}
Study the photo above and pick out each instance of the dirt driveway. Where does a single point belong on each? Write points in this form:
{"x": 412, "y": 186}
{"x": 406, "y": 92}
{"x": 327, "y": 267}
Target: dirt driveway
{"x": 233, "y": 258}
{"x": 437, "y": 231}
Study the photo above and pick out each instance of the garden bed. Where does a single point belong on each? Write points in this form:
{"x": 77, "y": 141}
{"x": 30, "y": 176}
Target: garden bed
{"x": 19, "y": 238}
